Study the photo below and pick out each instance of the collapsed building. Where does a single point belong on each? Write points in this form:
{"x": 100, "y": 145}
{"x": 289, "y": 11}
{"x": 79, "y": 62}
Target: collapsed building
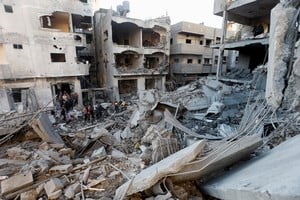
{"x": 133, "y": 55}
{"x": 47, "y": 52}
{"x": 251, "y": 21}
{"x": 191, "y": 55}
{"x": 225, "y": 138}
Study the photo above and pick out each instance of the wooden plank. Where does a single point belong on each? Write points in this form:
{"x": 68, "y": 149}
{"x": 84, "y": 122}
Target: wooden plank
{"x": 227, "y": 154}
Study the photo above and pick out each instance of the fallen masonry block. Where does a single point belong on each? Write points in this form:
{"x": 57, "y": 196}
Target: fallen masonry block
{"x": 29, "y": 195}
{"x": 151, "y": 175}
{"x": 16, "y": 182}
{"x": 55, "y": 195}
{"x": 43, "y": 127}
{"x": 52, "y": 186}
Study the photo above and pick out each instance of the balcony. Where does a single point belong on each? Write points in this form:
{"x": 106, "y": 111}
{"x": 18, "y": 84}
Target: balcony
{"x": 139, "y": 71}
{"x": 118, "y": 49}
{"x": 242, "y": 11}
{"x": 190, "y": 49}
{"x": 191, "y": 69}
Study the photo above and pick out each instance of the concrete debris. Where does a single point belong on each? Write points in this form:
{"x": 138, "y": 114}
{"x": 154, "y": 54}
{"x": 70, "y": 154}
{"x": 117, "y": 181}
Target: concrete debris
{"x": 42, "y": 126}
{"x": 265, "y": 177}
{"x": 17, "y": 153}
{"x": 53, "y": 187}
{"x": 152, "y": 146}
{"x": 99, "y": 152}
{"x": 16, "y": 182}
{"x": 172, "y": 164}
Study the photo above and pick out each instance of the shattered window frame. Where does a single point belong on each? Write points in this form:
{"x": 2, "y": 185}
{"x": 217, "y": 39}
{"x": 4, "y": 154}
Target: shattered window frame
{"x": 8, "y": 8}
{"x": 17, "y": 46}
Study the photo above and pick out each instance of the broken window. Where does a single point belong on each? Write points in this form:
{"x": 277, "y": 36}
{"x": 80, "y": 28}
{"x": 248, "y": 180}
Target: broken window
{"x": 18, "y": 46}
{"x": 58, "y": 57}
{"x": 199, "y": 61}
{"x": 171, "y": 41}
{"x": 81, "y": 24}
{"x": 208, "y": 42}
{"x": 17, "y": 94}
{"x": 201, "y": 42}
{"x": 126, "y": 34}
{"x": 150, "y": 38}
{"x": 188, "y": 41}
{"x": 58, "y": 20}
{"x": 206, "y": 61}
{"x": 150, "y": 84}
{"x": 189, "y": 61}
{"x": 83, "y": 1}
{"x": 8, "y": 9}
{"x": 218, "y": 40}
{"x": 89, "y": 38}
{"x": 127, "y": 86}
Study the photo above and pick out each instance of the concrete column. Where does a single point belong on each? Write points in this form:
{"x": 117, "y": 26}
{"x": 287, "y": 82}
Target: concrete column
{"x": 221, "y": 49}
{"x": 141, "y": 38}
{"x": 163, "y": 83}
{"x": 5, "y": 101}
{"x": 116, "y": 93}
{"x": 77, "y": 89}
{"x": 141, "y": 83}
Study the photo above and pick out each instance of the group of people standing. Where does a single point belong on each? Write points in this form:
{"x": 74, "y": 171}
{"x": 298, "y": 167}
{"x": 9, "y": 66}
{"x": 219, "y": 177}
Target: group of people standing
{"x": 67, "y": 102}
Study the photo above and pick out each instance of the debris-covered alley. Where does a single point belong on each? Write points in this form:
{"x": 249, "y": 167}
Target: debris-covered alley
{"x": 121, "y": 125}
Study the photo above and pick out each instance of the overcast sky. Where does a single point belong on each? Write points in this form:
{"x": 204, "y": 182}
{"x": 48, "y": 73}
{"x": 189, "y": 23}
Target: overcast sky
{"x": 195, "y": 11}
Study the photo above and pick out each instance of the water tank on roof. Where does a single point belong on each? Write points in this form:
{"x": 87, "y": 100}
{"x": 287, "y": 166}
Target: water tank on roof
{"x": 126, "y": 6}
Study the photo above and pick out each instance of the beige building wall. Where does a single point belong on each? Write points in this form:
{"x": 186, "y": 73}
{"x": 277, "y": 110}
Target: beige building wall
{"x": 191, "y": 54}
{"x": 132, "y": 54}
{"x": 39, "y": 43}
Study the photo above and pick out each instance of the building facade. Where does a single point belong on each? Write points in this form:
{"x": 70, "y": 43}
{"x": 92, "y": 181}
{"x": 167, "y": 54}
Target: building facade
{"x": 251, "y": 19}
{"x": 132, "y": 54}
{"x": 44, "y": 49}
{"x": 191, "y": 54}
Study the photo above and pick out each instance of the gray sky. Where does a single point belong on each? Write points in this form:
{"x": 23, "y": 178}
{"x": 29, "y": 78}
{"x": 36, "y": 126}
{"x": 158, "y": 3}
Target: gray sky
{"x": 195, "y": 11}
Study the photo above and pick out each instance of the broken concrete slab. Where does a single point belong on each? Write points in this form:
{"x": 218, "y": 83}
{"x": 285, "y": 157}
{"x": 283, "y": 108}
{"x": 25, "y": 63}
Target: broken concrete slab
{"x": 173, "y": 121}
{"x": 99, "y": 152}
{"x": 16, "y": 182}
{"x": 71, "y": 190}
{"x": 43, "y": 127}
{"x": 52, "y": 186}
{"x": 273, "y": 175}
{"x": 151, "y": 175}
{"x": 29, "y": 195}
{"x": 223, "y": 154}
{"x": 18, "y": 153}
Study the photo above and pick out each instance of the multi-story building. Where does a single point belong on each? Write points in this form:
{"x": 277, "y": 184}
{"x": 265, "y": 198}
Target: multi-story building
{"x": 191, "y": 54}
{"x": 133, "y": 55}
{"x": 44, "y": 48}
{"x": 252, "y": 19}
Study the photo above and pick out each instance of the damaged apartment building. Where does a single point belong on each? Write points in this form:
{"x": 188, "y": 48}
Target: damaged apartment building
{"x": 251, "y": 21}
{"x": 133, "y": 55}
{"x": 44, "y": 50}
{"x": 191, "y": 54}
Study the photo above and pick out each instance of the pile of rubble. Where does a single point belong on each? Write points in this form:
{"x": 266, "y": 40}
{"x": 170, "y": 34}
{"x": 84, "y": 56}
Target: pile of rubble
{"x": 159, "y": 145}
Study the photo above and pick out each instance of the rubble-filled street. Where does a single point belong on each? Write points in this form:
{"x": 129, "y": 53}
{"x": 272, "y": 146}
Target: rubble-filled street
{"x": 146, "y": 131}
